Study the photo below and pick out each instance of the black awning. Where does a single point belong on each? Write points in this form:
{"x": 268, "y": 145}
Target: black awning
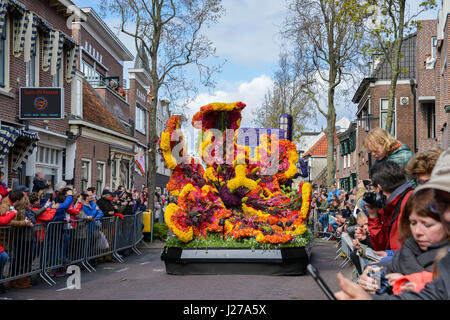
{"x": 19, "y": 143}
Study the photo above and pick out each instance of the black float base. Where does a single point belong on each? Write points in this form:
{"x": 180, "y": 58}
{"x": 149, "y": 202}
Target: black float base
{"x": 242, "y": 261}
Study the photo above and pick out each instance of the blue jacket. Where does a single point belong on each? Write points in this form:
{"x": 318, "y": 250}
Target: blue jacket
{"x": 92, "y": 211}
{"x": 336, "y": 192}
{"x": 60, "y": 212}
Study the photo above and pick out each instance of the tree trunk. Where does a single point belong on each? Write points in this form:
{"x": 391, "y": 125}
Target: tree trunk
{"x": 151, "y": 184}
{"x": 331, "y": 128}
{"x": 395, "y": 67}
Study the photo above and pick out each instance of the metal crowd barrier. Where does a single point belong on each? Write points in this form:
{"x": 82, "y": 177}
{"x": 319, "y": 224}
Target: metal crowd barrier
{"x": 49, "y": 246}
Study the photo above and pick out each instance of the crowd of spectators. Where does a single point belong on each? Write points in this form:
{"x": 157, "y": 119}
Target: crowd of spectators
{"x": 29, "y": 211}
{"x": 394, "y": 226}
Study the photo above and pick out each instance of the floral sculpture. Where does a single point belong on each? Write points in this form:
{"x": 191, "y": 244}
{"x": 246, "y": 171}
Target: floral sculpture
{"x": 234, "y": 196}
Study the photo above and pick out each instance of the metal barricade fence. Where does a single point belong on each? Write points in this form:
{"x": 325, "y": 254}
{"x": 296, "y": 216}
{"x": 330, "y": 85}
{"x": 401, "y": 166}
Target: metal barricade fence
{"x": 101, "y": 238}
{"x": 138, "y": 231}
{"x": 52, "y": 245}
{"x": 23, "y": 251}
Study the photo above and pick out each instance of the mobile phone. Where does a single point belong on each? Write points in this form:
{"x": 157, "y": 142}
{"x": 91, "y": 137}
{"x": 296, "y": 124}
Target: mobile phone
{"x": 315, "y": 274}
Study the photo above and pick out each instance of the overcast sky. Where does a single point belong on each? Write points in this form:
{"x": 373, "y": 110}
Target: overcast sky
{"x": 247, "y": 38}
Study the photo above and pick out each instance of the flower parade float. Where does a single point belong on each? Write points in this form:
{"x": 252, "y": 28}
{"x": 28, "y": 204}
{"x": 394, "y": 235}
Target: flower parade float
{"x": 235, "y": 214}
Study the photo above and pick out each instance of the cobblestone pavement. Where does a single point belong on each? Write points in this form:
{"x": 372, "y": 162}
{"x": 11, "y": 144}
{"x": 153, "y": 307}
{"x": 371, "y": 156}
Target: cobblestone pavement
{"x": 144, "y": 278}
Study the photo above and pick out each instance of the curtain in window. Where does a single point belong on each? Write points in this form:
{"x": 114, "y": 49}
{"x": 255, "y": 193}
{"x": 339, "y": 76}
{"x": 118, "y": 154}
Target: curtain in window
{"x": 3, "y": 10}
{"x": 20, "y": 29}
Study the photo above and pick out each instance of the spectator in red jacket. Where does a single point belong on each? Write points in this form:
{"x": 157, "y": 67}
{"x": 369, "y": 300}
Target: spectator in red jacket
{"x": 390, "y": 180}
{"x": 4, "y": 190}
{"x": 7, "y": 213}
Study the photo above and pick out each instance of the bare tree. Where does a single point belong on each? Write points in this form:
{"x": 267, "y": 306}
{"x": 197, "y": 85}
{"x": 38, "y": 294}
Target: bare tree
{"x": 286, "y": 96}
{"x": 389, "y": 25}
{"x": 327, "y": 34}
{"x": 170, "y": 32}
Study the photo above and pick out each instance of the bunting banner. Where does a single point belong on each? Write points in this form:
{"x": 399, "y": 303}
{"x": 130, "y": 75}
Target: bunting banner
{"x": 30, "y": 38}
{"x": 20, "y": 29}
{"x": 71, "y": 65}
{"x": 57, "y": 45}
{"x": 49, "y": 42}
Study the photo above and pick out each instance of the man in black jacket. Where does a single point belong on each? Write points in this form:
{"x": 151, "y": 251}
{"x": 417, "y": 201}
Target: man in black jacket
{"x": 439, "y": 288}
{"x": 105, "y": 203}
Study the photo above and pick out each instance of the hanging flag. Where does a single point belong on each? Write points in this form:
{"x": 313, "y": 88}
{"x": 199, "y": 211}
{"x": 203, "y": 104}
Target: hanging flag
{"x": 20, "y": 29}
{"x": 139, "y": 158}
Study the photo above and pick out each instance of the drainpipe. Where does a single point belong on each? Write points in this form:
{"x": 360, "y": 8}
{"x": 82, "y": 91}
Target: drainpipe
{"x": 414, "y": 92}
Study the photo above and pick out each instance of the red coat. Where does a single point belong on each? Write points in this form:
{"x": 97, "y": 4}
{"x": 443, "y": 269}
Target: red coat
{"x": 379, "y": 227}
{"x": 45, "y": 216}
{"x": 4, "y": 220}
{"x": 3, "y": 190}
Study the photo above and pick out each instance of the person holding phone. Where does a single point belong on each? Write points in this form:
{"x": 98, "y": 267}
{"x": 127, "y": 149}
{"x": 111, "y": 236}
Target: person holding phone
{"x": 439, "y": 288}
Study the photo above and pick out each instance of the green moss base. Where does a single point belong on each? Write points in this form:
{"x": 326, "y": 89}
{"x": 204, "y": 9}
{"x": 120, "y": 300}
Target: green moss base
{"x": 216, "y": 241}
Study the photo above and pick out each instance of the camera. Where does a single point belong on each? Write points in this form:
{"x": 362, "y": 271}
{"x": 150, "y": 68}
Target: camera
{"x": 377, "y": 200}
{"x": 385, "y": 287}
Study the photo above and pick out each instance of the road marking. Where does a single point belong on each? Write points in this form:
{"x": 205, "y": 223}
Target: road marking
{"x": 5, "y": 298}
{"x": 124, "y": 269}
{"x": 145, "y": 262}
{"x": 108, "y": 268}
{"x": 158, "y": 270}
{"x": 62, "y": 289}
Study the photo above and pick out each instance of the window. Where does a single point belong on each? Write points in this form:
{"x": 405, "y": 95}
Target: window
{"x": 78, "y": 98}
{"x": 434, "y": 47}
{"x": 32, "y": 68}
{"x": 141, "y": 122}
{"x": 58, "y": 77}
{"x": 88, "y": 71}
{"x": 383, "y": 116}
{"x": 430, "y": 110}
{"x": 48, "y": 156}
{"x": 3, "y": 54}
{"x": 85, "y": 174}
{"x": 86, "y": 46}
{"x": 100, "y": 176}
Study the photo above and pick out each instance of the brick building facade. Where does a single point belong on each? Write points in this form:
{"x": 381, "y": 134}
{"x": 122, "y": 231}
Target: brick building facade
{"x": 35, "y": 145}
{"x": 372, "y": 100}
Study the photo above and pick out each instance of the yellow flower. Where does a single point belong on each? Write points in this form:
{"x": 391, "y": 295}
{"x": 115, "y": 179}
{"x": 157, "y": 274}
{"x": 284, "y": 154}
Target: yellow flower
{"x": 210, "y": 175}
{"x": 184, "y": 236}
{"x": 206, "y": 188}
{"x": 187, "y": 188}
{"x": 241, "y": 180}
{"x": 165, "y": 141}
{"x": 171, "y": 162}
{"x": 253, "y": 212}
{"x": 299, "y": 230}
{"x": 306, "y": 199}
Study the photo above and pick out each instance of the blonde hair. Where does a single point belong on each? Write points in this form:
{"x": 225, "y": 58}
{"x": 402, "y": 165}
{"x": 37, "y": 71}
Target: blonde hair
{"x": 441, "y": 254}
{"x": 380, "y": 137}
{"x": 423, "y": 163}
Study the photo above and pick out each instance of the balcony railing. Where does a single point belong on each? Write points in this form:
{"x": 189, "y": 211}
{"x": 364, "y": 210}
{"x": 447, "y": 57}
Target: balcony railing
{"x": 112, "y": 83}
